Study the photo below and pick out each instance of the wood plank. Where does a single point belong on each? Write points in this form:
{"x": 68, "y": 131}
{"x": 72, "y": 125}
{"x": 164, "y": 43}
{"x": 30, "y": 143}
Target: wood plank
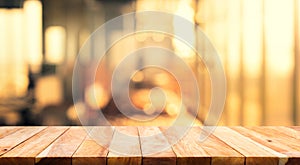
{"x": 90, "y": 152}
{"x": 273, "y": 142}
{"x": 12, "y": 140}
{"x": 62, "y": 149}
{"x": 125, "y": 146}
{"x": 254, "y": 152}
{"x": 288, "y": 139}
{"x": 188, "y": 149}
{"x": 26, "y": 152}
{"x": 4, "y": 131}
{"x": 219, "y": 151}
{"x": 297, "y": 128}
{"x": 93, "y": 151}
{"x": 155, "y": 147}
{"x": 284, "y": 130}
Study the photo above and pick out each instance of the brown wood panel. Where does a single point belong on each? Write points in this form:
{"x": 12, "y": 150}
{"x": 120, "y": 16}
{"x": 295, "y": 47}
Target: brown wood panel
{"x": 4, "y": 131}
{"x": 10, "y": 141}
{"x": 94, "y": 148}
{"x": 152, "y": 141}
{"x": 125, "y": 146}
{"x": 26, "y": 152}
{"x": 273, "y": 142}
{"x": 62, "y": 149}
{"x": 219, "y": 151}
{"x": 149, "y": 145}
{"x": 255, "y": 153}
{"x": 188, "y": 150}
{"x": 297, "y": 128}
{"x": 284, "y": 130}
{"x": 288, "y": 138}
{"x": 90, "y": 152}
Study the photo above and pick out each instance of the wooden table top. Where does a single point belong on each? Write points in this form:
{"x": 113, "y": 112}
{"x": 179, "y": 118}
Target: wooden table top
{"x": 227, "y": 145}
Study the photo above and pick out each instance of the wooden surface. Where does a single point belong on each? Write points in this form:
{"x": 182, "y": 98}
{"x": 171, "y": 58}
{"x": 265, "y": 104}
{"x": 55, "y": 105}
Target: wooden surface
{"x": 73, "y": 145}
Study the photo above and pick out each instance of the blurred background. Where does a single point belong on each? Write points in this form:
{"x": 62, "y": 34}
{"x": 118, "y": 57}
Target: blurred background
{"x": 257, "y": 40}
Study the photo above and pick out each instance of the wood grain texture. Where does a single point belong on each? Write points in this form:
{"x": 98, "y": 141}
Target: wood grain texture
{"x": 4, "y": 131}
{"x": 149, "y": 145}
{"x": 155, "y": 147}
{"x": 12, "y": 140}
{"x": 94, "y": 148}
{"x": 219, "y": 151}
{"x": 188, "y": 149}
{"x": 297, "y": 128}
{"x": 288, "y": 139}
{"x": 254, "y": 152}
{"x": 62, "y": 149}
{"x": 26, "y": 152}
{"x": 125, "y": 146}
{"x": 89, "y": 153}
{"x": 274, "y": 142}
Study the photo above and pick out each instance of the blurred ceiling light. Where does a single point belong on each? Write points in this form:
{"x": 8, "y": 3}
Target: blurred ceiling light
{"x": 55, "y": 44}
{"x": 33, "y": 30}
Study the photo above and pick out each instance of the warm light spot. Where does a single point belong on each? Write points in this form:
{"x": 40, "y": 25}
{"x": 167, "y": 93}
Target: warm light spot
{"x": 49, "y": 90}
{"x": 182, "y": 49}
{"x": 138, "y": 76}
{"x": 158, "y": 37}
{"x": 55, "y": 44}
{"x": 141, "y": 37}
{"x": 83, "y": 36}
{"x": 161, "y": 79}
{"x": 252, "y": 113}
{"x": 185, "y": 10}
{"x": 174, "y": 109}
{"x": 96, "y": 96}
{"x": 33, "y": 32}
{"x": 149, "y": 109}
{"x": 12, "y": 118}
{"x": 76, "y": 110}
{"x": 279, "y": 37}
{"x": 13, "y": 66}
{"x": 252, "y": 44}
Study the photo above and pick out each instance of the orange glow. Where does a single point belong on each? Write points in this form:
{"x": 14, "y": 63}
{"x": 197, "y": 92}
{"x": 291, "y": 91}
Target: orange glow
{"x": 173, "y": 109}
{"x": 96, "y": 96}
{"x": 49, "y": 90}
{"x": 138, "y": 76}
{"x": 149, "y": 109}
{"x": 55, "y": 44}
